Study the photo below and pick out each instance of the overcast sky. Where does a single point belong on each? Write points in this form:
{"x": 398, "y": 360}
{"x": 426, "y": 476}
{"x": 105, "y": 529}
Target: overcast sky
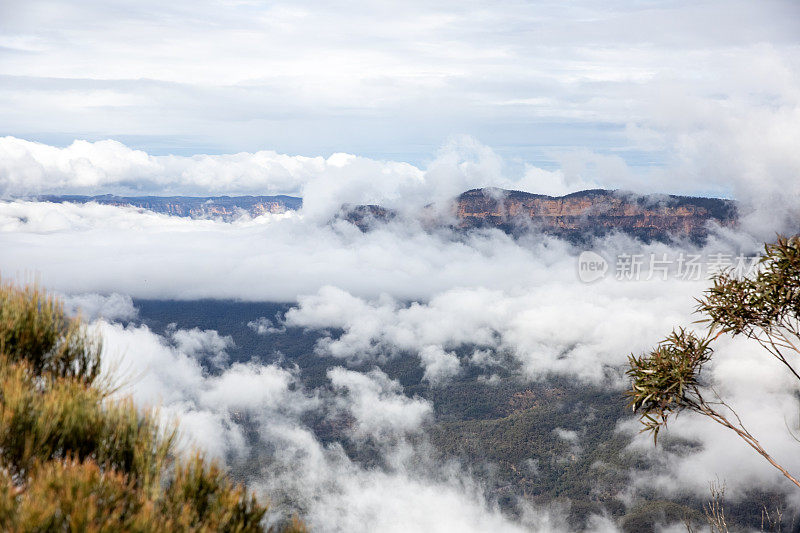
{"x": 536, "y": 81}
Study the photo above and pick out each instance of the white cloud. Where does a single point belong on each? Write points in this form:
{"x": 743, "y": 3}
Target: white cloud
{"x": 334, "y": 492}
{"x": 377, "y": 403}
{"x": 484, "y": 291}
{"x": 566, "y": 434}
{"x": 160, "y": 372}
{"x": 303, "y": 77}
{"x": 440, "y": 366}
{"x": 561, "y": 326}
{"x": 104, "y": 249}
{"x": 113, "y": 307}
{"x": 202, "y": 344}
{"x": 255, "y": 388}
{"x": 29, "y": 168}
{"x": 264, "y": 326}
{"x": 733, "y": 151}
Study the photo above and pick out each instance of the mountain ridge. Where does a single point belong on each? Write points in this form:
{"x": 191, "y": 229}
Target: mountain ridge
{"x": 594, "y": 212}
{"x": 225, "y": 207}
{"x": 574, "y": 216}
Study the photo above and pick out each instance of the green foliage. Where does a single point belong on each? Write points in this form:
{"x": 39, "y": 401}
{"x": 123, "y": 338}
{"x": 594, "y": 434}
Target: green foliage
{"x": 666, "y": 381}
{"x": 765, "y": 303}
{"x": 201, "y": 497}
{"x": 764, "y": 307}
{"x": 517, "y": 442}
{"x": 34, "y": 329}
{"x": 648, "y": 516}
{"x": 73, "y": 459}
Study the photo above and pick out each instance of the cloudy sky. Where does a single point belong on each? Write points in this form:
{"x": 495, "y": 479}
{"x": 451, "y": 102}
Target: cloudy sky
{"x": 605, "y": 91}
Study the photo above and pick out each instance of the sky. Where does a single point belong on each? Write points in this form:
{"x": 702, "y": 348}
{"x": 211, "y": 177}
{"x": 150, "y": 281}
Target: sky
{"x": 555, "y": 85}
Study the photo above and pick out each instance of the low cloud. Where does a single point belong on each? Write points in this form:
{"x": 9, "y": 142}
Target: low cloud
{"x": 377, "y": 403}
{"x": 105, "y": 249}
{"x": 742, "y": 152}
{"x": 336, "y": 493}
{"x": 439, "y": 365}
{"x": 202, "y": 344}
{"x": 264, "y": 326}
{"x": 112, "y": 307}
{"x": 159, "y": 371}
{"x": 603, "y": 100}
{"x": 451, "y": 299}
{"x": 764, "y": 395}
{"x": 586, "y": 331}
{"x": 333, "y": 492}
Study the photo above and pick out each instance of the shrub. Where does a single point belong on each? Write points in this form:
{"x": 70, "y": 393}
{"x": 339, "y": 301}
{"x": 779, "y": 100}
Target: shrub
{"x": 72, "y": 458}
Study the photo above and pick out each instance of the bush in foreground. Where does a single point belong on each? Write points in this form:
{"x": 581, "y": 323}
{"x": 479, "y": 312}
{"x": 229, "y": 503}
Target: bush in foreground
{"x": 74, "y": 459}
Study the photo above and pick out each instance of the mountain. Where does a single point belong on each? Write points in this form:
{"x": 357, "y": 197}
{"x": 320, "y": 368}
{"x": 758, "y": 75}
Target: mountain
{"x": 577, "y": 216}
{"x": 226, "y": 207}
{"x": 593, "y": 212}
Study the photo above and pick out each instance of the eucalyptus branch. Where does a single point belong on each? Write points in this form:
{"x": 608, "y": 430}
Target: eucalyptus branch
{"x": 789, "y": 343}
{"x": 773, "y": 349}
{"x": 763, "y": 308}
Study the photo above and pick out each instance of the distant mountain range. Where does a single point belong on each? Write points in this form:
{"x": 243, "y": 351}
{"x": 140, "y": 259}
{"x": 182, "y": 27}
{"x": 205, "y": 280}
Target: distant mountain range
{"x": 575, "y": 216}
{"x": 226, "y": 207}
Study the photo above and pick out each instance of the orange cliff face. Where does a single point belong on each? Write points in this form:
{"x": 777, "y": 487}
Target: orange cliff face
{"x": 593, "y": 212}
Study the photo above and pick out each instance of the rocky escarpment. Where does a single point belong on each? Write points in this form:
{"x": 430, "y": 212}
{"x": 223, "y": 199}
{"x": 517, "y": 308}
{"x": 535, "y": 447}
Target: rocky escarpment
{"x": 225, "y": 207}
{"x": 592, "y": 213}
{"x": 577, "y": 216}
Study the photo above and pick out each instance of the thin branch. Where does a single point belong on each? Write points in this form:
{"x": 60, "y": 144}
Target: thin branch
{"x": 745, "y": 435}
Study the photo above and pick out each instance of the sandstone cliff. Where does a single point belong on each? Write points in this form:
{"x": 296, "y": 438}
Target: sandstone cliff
{"x": 593, "y": 212}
